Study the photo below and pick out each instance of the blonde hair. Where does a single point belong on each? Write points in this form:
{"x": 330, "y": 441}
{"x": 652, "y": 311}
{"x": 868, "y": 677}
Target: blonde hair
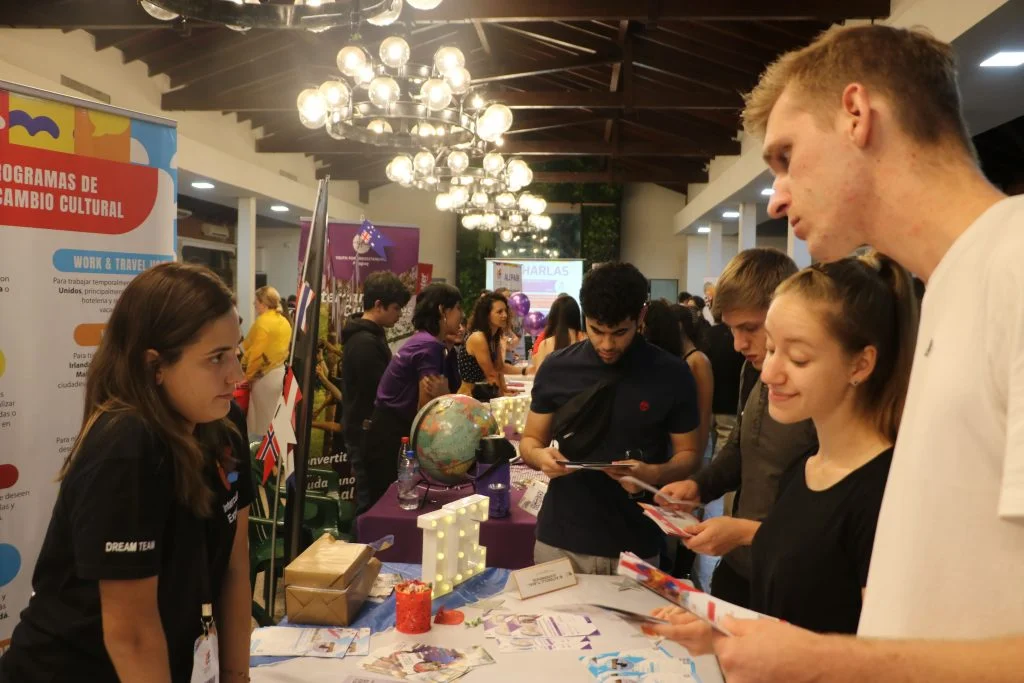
{"x": 913, "y": 70}
{"x": 749, "y": 279}
{"x": 868, "y": 300}
{"x": 269, "y": 297}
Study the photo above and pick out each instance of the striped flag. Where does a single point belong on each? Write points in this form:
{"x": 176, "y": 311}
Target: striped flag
{"x": 302, "y": 302}
{"x": 269, "y": 453}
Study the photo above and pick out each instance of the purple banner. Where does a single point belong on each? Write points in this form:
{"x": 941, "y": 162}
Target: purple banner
{"x": 351, "y": 260}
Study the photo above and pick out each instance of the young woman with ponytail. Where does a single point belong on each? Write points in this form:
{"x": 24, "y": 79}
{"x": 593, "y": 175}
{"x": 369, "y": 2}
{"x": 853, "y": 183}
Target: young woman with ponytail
{"x": 840, "y": 345}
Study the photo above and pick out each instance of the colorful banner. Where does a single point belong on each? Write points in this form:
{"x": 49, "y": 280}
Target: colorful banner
{"x": 87, "y": 201}
{"x": 354, "y": 251}
{"x": 509, "y": 275}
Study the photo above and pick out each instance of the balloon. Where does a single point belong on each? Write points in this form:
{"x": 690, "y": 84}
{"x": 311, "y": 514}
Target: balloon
{"x": 520, "y": 303}
{"x": 534, "y": 322}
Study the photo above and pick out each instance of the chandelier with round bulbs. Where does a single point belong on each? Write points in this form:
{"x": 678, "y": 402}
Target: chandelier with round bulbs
{"x": 386, "y": 101}
{"x": 311, "y": 15}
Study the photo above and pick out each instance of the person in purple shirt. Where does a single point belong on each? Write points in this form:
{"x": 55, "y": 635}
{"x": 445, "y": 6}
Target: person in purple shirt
{"x": 415, "y": 376}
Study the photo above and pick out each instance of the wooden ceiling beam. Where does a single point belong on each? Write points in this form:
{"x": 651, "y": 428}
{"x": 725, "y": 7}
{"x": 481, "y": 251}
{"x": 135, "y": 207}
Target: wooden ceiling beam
{"x": 324, "y": 145}
{"x": 231, "y": 64}
{"x": 559, "y": 35}
{"x": 506, "y": 72}
{"x": 674, "y": 63}
{"x": 93, "y": 14}
{"x": 342, "y": 173}
{"x": 687, "y": 39}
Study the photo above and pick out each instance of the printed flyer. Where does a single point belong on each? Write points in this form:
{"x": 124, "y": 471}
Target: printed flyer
{"x": 87, "y": 201}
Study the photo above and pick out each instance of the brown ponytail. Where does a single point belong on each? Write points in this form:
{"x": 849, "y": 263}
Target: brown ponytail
{"x": 869, "y": 301}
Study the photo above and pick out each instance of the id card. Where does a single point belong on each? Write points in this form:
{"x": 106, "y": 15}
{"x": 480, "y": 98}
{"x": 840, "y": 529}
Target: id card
{"x": 205, "y": 664}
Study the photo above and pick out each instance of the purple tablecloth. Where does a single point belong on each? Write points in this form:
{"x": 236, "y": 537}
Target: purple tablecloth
{"x": 509, "y": 541}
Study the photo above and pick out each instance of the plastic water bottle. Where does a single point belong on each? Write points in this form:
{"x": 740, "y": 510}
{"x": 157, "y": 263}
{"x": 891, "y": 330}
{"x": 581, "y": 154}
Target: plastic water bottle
{"x": 408, "y": 477}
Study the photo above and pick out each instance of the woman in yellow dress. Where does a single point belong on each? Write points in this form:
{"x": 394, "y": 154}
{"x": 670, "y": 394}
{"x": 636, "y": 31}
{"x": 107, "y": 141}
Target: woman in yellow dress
{"x": 265, "y": 351}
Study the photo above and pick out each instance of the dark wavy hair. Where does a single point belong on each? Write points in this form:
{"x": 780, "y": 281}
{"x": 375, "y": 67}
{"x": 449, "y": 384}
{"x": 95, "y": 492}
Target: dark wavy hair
{"x": 481, "y": 319}
{"x": 434, "y": 299}
{"x": 613, "y": 292}
{"x": 563, "y": 317}
{"x": 693, "y": 324}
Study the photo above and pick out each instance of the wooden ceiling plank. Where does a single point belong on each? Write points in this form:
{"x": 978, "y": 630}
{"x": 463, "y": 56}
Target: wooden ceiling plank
{"x": 513, "y": 71}
{"x": 326, "y": 146}
{"x": 243, "y": 53}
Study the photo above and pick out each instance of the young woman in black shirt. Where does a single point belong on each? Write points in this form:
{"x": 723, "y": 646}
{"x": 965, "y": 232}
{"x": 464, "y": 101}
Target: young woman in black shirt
{"x": 840, "y": 343}
{"x": 144, "y": 569}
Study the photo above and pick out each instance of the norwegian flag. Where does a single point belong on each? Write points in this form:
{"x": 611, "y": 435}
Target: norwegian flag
{"x": 269, "y": 452}
{"x": 303, "y": 300}
{"x": 280, "y": 436}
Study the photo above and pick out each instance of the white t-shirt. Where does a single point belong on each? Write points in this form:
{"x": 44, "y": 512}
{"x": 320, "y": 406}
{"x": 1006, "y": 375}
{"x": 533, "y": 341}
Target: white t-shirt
{"x": 948, "y": 559}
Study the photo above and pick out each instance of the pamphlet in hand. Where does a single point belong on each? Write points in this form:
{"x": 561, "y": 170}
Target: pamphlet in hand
{"x": 606, "y": 610}
{"x": 655, "y": 492}
{"x": 592, "y": 465}
{"x": 671, "y": 522}
{"x": 703, "y": 606}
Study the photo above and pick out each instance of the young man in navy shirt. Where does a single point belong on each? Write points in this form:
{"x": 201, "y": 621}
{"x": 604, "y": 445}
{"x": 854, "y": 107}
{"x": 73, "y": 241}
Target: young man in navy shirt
{"x": 589, "y": 516}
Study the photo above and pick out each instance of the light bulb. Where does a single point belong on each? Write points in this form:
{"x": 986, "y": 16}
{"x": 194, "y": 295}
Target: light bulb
{"x": 525, "y": 200}
{"x": 499, "y": 141}
{"x": 394, "y": 52}
{"x": 443, "y": 202}
{"x": 440, "y": 577}
{"x": 158, "y": 12}
{"x": 458, "y": 161}
{"x": 460, "y": 195}
{"x": 487, "y": 129}
{"x": 440, "y": 534}
{"x": 476, "y": 102}
{"x": 506, "y": 200}
{"x": 539, "y": 205}
{"x": 312, "y": 108}
{"x": 459, "y": 79}
{"x": 501, "y": 115}
{"x": 337, "y": 95}
{"x": 401, "y": 167}
{"x": 448, "y": 58}
{"x": 388, "y": 16}
{"x": 493, "y": 163}
{"x": 491, "y": 220}
{"x": 479, "y": 199}
{"x": 436, "y": 94}
{"x": 365, "y": 76}
{"x": 383, "y": 91}
{"x": 440, "y": 556}
{"x": 425, "y": 130}
{"x": 424, "y": 162}
{"x": 519, "y": 172}
{"x": 379, "y": 126}
{"x": 424, "y": 4}
{"x": 471, "y": 222}
{"x": 351, "y": 60}
{"x": 506, "y": 235}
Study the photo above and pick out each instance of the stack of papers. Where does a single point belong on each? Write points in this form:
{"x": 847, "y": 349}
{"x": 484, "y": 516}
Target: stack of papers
{"x": 540, "y": 632}
{"x": 288, "y": 641}
{"x": 650, "y": 666}
{"x": 671, "y": 522}
{"x": 431, "y": 663}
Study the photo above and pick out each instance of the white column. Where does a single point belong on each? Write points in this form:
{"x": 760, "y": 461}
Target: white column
{"x": 714, "y": 250}
{"x": 245, "y": 262}
{"x": 797, "y": 249}
{"x": 748, "y": 226}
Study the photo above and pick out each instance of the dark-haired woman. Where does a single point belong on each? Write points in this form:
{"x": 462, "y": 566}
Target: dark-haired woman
{"x": 691, "y": 327}
{"x": 144, "y": 570}
{"x": 564, "y": 328}
{"x": 481, "y": 365}
{"x": 414, "y": 376}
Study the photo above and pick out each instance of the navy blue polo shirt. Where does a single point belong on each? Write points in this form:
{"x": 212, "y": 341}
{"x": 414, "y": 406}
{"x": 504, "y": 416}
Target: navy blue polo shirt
{"x": 589, "y": 512}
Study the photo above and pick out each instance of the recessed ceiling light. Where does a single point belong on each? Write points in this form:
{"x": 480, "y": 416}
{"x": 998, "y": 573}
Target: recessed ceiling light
{"x": 1005, "y": 59}
{"x": 203, "y": 185}
{"x": 704, "y": 229}
{"x": 767, "y": 192}
{"x": 279, "y": 208}
{"x": 730, "y": 214}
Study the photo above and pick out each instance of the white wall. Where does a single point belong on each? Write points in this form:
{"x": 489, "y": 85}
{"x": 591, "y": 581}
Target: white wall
{"x": 648, "y": 241}
{"x": 277, "y": 249}
{"x": 697, "y": 256}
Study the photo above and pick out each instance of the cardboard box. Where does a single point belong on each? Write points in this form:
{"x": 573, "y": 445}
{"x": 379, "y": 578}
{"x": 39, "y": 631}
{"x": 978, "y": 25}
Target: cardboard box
{"x": 331, "y": 606}
{"x": 327, "y": 563}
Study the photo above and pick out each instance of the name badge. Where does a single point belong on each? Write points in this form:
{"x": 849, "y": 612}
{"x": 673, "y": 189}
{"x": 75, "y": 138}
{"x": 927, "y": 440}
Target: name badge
{"x": 533, "y": 499}
{"x": 544, "y": 578}
{"x": 205, "y": 664}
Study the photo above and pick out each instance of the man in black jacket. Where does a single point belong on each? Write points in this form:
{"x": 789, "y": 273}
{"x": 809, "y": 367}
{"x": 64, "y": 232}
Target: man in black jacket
{"x": 365, "y": 357}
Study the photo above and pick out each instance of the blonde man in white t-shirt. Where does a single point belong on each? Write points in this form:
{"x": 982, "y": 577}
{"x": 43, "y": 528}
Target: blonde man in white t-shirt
{"x": 863, "y": 132}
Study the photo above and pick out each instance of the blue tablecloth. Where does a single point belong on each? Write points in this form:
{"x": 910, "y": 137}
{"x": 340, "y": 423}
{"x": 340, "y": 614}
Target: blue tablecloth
{"x": 381, "y": 616}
